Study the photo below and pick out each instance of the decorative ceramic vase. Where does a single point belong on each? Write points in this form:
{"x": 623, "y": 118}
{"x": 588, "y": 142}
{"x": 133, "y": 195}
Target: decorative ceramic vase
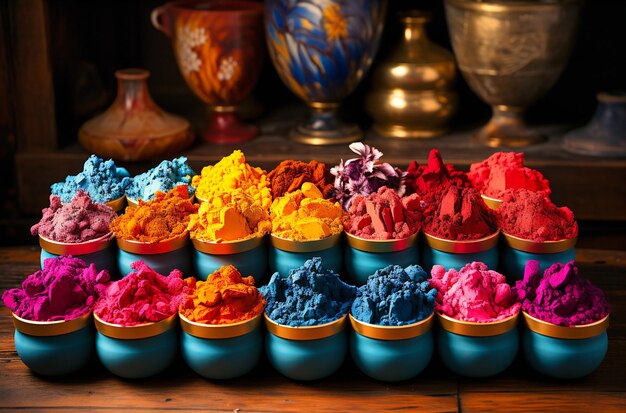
{"x": 412, "y": 95}
{"x": 321, "y": 49}
{"x": 134, "y": 128}
{"x": 511, "y": 53}
{"x": 219, "y": 49}
{"x": 605, "y": 134}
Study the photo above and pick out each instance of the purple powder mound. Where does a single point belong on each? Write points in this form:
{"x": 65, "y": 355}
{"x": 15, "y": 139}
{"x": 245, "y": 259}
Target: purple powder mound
{"x": 560, "y": 296}
{"x": 65, "y": 289}
{"x": 79, "y": 221}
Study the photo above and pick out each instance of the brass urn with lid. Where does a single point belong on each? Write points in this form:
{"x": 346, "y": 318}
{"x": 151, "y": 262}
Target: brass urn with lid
{"x": 412, "y": 96}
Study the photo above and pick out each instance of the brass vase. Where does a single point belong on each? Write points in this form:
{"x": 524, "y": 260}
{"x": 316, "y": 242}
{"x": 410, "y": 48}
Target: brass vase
{"x": 412, "y": 96}
{"x": 511, "y": 53}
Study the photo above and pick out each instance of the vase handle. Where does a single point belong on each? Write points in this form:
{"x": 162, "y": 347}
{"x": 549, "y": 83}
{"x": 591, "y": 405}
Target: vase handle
{"x": 156, "y": 18}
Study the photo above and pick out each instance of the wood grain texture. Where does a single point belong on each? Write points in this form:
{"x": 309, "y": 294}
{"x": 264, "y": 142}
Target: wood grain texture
{"x": 591, "y": 402}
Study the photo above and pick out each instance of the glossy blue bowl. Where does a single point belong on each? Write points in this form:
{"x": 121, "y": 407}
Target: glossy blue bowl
{"x": 138, "y": 351}
{"x": 456, "y": 254}
{"x": 100, "y": 251}
{"x": 306, "y": 353}
{"x": 363, "y": 257}
{"x": 477, "y": 349}
{"x": 564, "y": 352}
{"x": 221, "y": 351}
{"x": 517, "y": 252}
{"x": 248, "y": 256}
{"x": 163, "y": 257}
{"x": 285, "y": 255}
{"x": 54, "y": 348}
{"x": 392, "y": 353}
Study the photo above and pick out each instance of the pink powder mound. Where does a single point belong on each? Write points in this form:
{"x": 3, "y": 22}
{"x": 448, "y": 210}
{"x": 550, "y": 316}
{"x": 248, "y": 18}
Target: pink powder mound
{"x": 79, "y": 221}
{"x": 461, "y": 215}
{"x": 503, "y": 171}
{"x": 65, "y": 289}
{"x": 475, "y": 294}
{"x": 560, "y": 296}
{"x": 384, "y": 215}
{"x": 143, "y": 296}
{"x": 532, "y": 216}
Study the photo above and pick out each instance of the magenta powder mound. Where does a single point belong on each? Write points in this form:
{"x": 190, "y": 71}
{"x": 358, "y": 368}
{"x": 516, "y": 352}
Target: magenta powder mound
{"x": 65, "y": 289}
{"x": 143, "y": 296}
{"x": 79, "y": 221}
{"x": 560, "y": 296}
{"x": 475, "y": 294}
{"x": 384, "y": 215}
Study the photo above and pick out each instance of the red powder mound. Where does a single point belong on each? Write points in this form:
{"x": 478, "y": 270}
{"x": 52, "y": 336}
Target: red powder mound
{"x": 384, "y": 215}
{"x": 503, "y": 171}
{"x": 462, "y": 215}
{"x": 530, "y": 215}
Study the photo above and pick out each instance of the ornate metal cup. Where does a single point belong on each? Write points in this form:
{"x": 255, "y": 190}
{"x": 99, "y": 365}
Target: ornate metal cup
{"x": 321, "y": 50}
{"x": 511, "y": 53}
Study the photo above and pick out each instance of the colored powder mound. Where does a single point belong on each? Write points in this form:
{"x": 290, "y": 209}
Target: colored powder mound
{"x": 394, "y": 296}
{"x": 65, "y": 289}
{"x": 461, "y": 215}
{"x": 224, "y": 298}
{"x": 305, "y": 215}
{"x": 532, "y": 216}
{"x": 143, "y": 296}
{"x": 166, "y": 176}
{"x": 560, "y": 296}
{"x": 230, "y": 173}
{"x": 475, "y": 294}
{"x": 102, "y": 180}
{"x": 79, "y": 221}
{"x": 289, "y": 176}
{"x": 163, "y": 218}
{"x": 384, "y": 215}
{"x": 430, "y": 180}
{"x": 503, "y": 171}
{"x": 229, "y": 216}
{"x": 309, "y": 296}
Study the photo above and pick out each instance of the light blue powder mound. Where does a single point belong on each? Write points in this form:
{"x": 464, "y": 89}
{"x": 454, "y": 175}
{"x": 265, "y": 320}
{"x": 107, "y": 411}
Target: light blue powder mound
{"x": 101, "y": 179}
{"x": 166, "y": 176}
{"x": 309, "y": 296}
{"x": 394, "y": 296}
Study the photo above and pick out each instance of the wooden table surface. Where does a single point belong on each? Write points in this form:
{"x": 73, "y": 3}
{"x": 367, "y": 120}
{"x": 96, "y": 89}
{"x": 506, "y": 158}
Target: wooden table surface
{"x": 435, "y": 390}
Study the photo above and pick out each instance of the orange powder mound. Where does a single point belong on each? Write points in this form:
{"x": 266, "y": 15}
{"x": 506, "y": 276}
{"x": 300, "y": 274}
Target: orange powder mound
{"x": 224, "y": 298}
{"x": 166, "y": 216}
{"x": 289, "y": 176}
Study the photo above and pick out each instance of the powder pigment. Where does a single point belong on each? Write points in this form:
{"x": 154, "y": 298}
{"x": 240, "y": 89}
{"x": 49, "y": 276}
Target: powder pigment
{"x": 164, "y": 177}
{"x": 289, "y": 176}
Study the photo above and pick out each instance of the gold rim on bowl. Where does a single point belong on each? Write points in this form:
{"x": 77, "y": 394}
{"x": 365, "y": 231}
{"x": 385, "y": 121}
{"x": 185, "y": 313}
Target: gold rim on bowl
{"x": 569, "y": 333}
{"x": 226, "y": 247}
{"x": 118, "y": 204}
{"x": 492, "y": 203}
{"x": 392, "y": 332}
{"x": 80, "y": 248}
{"x": 305, "y": 246}
{"x": 539, "y": 247}
{"x": 471, "y": 329}
{"x": 463, "y": 247}
{"x": 381, "y": 246}
{"x": 138, "y": 247}
{"x": 304, "y": 333}
{"x": 219, "y": 331}
{"x": 135, "y": 332}
{"x": 50, "y": 328}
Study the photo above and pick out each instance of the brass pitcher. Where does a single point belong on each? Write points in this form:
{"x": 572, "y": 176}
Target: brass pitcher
{"x": 412, "y": 95}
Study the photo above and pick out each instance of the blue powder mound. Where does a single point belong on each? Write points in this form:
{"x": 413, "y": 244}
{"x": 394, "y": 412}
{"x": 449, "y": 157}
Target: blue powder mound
{"x": 309, "y": 296}
{"x": 102, "y": 180}
{"x": 167, "y": 175}
{"x": 394, "y": 296}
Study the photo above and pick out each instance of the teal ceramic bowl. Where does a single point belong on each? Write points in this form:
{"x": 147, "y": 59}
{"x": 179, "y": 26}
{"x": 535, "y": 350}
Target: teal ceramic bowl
{"x": 306, "y": 353}
{"x": 456, "y": 254}
{"x": 163, "y": 257}
{"x": 221, "y": 351}
{"x": 363, "y": 257}
{"x": 517, "y": 252}
{"x": 99, "y": 251}
{"x": 477, "y": 349}
{"x": 53, "y": 348}
{"x": 248, "y": 256}
{"x": 564, "y": 352}
{"x": 285, "y": 254}
{"x": 138, "y": 351}
{"x": 392, "y": 353}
